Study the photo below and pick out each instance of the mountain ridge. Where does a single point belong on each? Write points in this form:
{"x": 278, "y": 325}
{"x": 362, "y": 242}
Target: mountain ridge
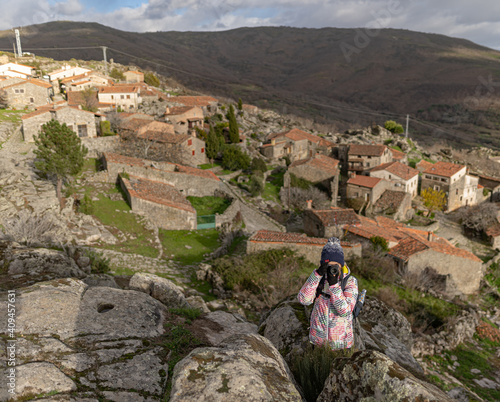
{"x": 432, "y": 77}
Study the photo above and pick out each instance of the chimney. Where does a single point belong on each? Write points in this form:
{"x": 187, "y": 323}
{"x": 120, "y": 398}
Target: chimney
{"x": 430, "y": 236}
{"x": 309, "y": 204}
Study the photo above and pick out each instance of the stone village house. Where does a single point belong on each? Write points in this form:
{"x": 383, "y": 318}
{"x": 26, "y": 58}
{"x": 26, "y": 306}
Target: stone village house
{"x": 318, "y": 169}
{"x": 162, "y": 203}
{"x": 370, "y": 189}
{"x": 133, "y": 76}
{"x": 208, "y": 104}
{"x": 17, "y": 70}
{"x": 328, "y": 222}
{"x": 417, "y": 251}
{"x": 91, "y": 79}
{"x": 184, "y": 118}
{"x": 67, "y": 71}
{"x": 162, "y": 141}
{"x": 295, "y": 144}
{"x": 27, "y": 93}
{"x": 360, "y": 158}
{"x": 460, "y": 188}
{"x": 187, "y": 180}
{"x": 402, "y": 177}
{"x": 80, "y": 121}
{"x": 308, "y": 247}
{"x": 126, "y": 97}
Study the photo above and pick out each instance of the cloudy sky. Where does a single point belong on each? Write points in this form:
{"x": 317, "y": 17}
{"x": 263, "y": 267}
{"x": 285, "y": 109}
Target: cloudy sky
{"x": 477, "y": 20}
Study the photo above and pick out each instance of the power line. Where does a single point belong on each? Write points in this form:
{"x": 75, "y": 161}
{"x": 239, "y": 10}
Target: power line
{"x": 315, "y": 103}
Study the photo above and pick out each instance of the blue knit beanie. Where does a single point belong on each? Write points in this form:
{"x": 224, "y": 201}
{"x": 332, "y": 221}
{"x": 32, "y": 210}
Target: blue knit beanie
{"x": 333, "y": 252}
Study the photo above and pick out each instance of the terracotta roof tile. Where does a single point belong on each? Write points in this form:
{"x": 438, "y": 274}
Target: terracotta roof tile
{"x": 268, "y": 236}
{"x": 390, "y": 199}
{"x": 116, "y": 89}
{"x": 364, "y": 181}
{"x": 321, "y": 162}
{"x": 397, "y": 155}
{"x": 494, "y": 230}
{"x": 298, "y": 135}
{"x": 367, "y": 149}
{"x": 445, "y": 169}
{"x": 423, "y": 165}
{"x": 397, "y": 168}
{"x": 157, "y": 192}
{"x": 193, "y": 100}
{"x": 337, "y": 216}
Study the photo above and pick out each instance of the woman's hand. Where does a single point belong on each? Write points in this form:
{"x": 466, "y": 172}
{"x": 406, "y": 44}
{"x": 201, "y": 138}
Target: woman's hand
{"x": 321, "y": 271}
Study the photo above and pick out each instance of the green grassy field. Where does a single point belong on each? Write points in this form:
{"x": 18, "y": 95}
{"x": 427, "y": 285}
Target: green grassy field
{"x": 198, "y": 242}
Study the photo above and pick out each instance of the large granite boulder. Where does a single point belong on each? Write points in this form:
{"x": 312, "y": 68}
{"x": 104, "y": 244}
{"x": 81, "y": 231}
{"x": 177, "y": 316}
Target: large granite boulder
{"x": 371, "y": 376}
{"x": 97, "y": 343}
{"x": 385, "y": 330}
{"x": 219, "y": 325}
{"x": 286, "y": 326}
{"x": 243, "y": 368}
{"x": 24, "y": 266}
{"x": 161, "y": 289}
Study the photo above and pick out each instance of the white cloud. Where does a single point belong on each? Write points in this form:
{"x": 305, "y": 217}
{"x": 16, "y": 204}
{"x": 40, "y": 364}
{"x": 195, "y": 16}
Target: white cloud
{"x": 478, "y": 21}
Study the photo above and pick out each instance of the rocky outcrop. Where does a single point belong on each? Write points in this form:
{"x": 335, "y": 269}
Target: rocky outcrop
{"x": 286, "y": 326}
{"x": 377, "y": 328}
{"x": 24, "y": 266}
{"x": 370, "y": 375}
{"x": 97, "y": 342}
{"x": 159, "y": 288}
{"x": 459, "y": 330}
{"x": 219, "y": 325}
{"x": 385, "y": 330}
{"x": 243, "y": 368}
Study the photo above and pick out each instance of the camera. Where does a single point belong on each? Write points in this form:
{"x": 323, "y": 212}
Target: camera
{"x": 333, "y": 270}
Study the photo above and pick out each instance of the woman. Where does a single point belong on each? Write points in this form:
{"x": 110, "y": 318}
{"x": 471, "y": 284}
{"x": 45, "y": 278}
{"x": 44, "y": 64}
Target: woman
{"x": 331, "y": 318}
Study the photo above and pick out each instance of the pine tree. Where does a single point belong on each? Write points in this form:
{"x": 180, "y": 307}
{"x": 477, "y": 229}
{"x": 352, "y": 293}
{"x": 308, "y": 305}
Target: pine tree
{"x": 240, "y": 104}
{"x": 213, "y": 144}
{"x": 234, "y": 131}
{"x": 59, "y": 152}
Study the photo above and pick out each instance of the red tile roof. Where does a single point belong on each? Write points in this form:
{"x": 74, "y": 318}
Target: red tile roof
{"x": 34, "y": 81}
{"x": 445, "y": 169}
{"x": 409, "y": 241}
{"x": 397, "y": 155}
{"x": 298, "y": 135}
{"x": 193, "y": 100}
{"x": 390, "y": 199}
{"x": 157, "y": 192}
{"x": 119, "y": 89}
{"x": 493, "y": 231}
{"x": 337, "y": 216}
{"x": 423, "y": 165}
{"x": 320, "y": 162}
{"x": 397, "y": 168}
{"x": 268, "y": 236}
{"x": 367, "y": 149}
{"x": 364, "y": 181}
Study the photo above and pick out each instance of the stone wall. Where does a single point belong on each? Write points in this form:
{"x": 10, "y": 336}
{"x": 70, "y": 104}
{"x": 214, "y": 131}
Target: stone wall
{"x": 163, "y": 216}
{"x": 466, "y": 274}
{"x": 229, "y": 214}
{"x": 311, "y": 252}
{"x": 189, "y": 185}
{"x": 97, "y": 146}
{"x": 354, "y": 191}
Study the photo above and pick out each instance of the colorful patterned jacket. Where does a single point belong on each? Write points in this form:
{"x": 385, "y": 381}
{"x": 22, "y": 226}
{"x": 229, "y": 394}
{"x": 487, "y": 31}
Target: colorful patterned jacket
{"x": 331, "y": 318}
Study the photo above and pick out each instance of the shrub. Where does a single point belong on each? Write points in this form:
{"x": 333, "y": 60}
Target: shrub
{"x": 379, "y": 243}
{"x": 394, "y": 127}
{"x": 234, "y": 158}
{"x": 29, "y": 229}
{"x": 256, "y": 185}
{"x": 98, "y": 263}
{"x": 116, "y": 74}
{"x": 297, "y": 198}
{"x": 258, "y": 164}
{"x": 151, "y": 79}
{"x": 106, "y": 128}
{"x": 86, "y": 205}
{"x": 433, "y": 199}
{"x": 299, "y": 182}
{"x": 480, "y": 217}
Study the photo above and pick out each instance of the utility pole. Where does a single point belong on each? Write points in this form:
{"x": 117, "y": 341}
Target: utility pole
{"x": 104, "y": 48}
{"x": 18, "y": 41}
{"x": 407, "y": 123}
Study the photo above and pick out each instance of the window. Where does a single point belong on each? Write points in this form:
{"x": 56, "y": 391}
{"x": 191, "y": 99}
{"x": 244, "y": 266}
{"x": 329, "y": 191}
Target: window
{"x": 428, "y": 177}
{"x": 443, "y": 179}
{"x": 193, "y": 152}
{"x": 82, "y": 130}
{"x": 128, "y": 96}
{"x": 436, "y": 188}
{"x": 122, "y": 96}
{"x": 390, "y": 177}
{"x": 456, "y": 193}
{"x": 112, "y": 96}
{"x": 32, "y": 100}
{"x": 190, "y": 142}
{"x": 202, "y": 150}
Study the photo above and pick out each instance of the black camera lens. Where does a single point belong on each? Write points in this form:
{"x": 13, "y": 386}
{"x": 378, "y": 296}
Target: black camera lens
{"x": 334, "y": 271}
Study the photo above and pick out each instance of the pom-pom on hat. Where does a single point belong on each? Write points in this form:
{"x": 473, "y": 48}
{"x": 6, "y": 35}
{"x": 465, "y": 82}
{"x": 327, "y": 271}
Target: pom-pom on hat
{"x": 333, "y": 252}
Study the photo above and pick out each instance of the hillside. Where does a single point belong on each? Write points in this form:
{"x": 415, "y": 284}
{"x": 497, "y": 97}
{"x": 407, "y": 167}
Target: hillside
{"x": 434, "y": 78}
